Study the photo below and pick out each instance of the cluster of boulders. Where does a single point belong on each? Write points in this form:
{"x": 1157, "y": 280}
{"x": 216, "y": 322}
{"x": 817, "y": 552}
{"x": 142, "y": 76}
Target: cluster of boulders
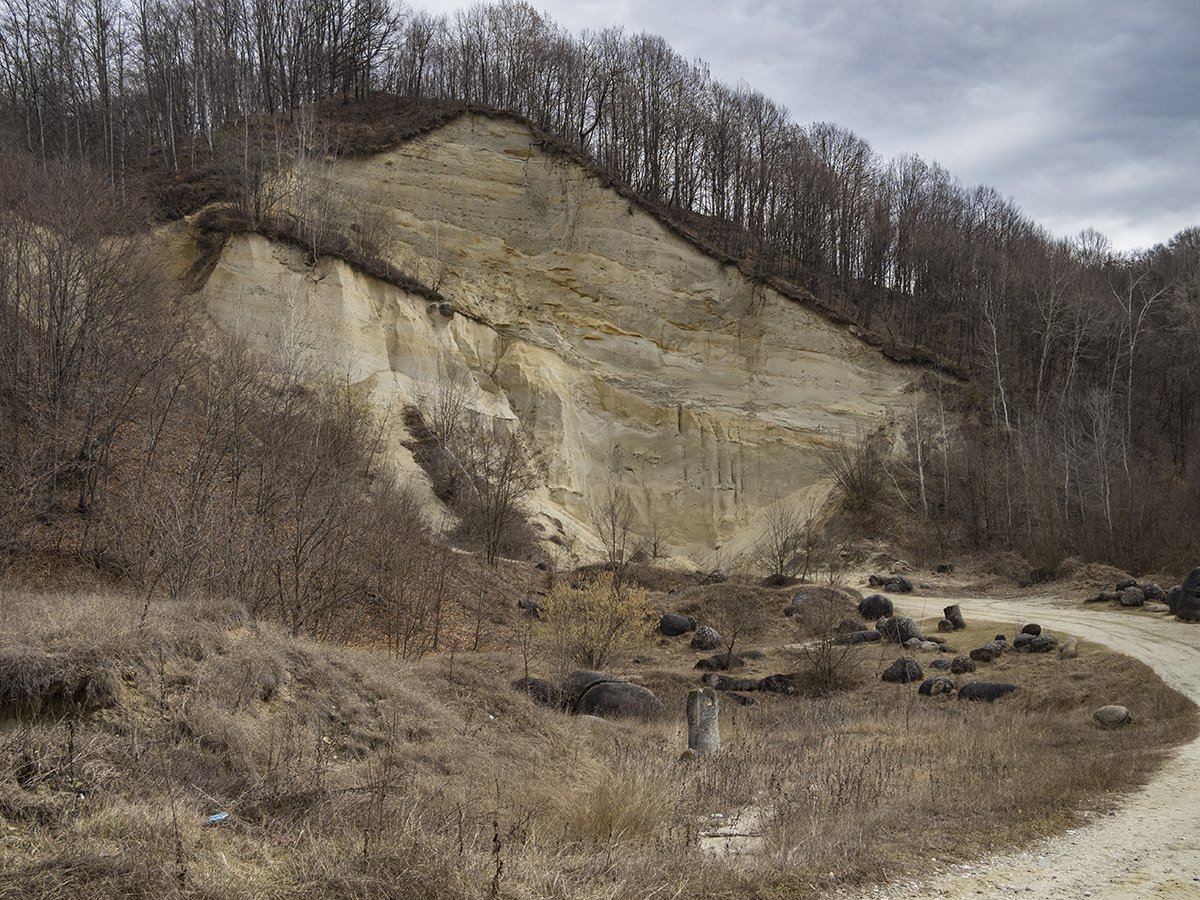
{"x": 906, "y": 670}
{"x": 895, "y": 584}
{"x": 1182, "y": 600}
{"x": 888, "y": 627}
{"x": 587, "y": 693}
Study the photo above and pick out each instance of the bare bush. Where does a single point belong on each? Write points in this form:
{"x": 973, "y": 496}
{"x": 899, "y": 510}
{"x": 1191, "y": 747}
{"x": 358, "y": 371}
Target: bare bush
{"x": 596, "y": 623}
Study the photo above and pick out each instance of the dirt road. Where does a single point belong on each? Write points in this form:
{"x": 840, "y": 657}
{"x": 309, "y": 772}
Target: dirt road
{"x": 1150, "y": 846}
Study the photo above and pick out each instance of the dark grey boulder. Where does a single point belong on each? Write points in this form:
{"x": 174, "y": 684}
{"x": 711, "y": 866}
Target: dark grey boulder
{"x": 1032, "y": 628}
{"x": 1043, "y": 643}
{"x": 1022, "y": 642}
{"x": 986, "y": 653}
{"x": 903, "y": 670}
{"x": 726, "y": 683}
{"x": 1000, "y": 641}
{"x": 1173, "y": 597}
{"x": 953, "y": 615}
{"x": 876, "y": 580}
{"x": 1187, "y": 608}
{"x": 934, "y": 687}
{"x": 898, "y": 584}
{"x": 875, "y": 606}
{"x": 541, "y": 692}
{"x": 576, "y": 684}
{"x": 1126, "y": 583}
{"x": 620, "y": 699}
{"x": 673, "y": 625}
{"x": 1132, "y": 596}
{"x": 779, "y": 684}
{"x": 986, "y": 691}
{"x": 1153, "y": 593}
{"x": 961, "y": 665}
{"x": 945, "y": 625}
{"x": 898, "y": 629}
{"x": 719, "y": 662}
{"x": 706, "y": 638}
{"x": 943, "y": 664}
{"x": 857, "y": 637}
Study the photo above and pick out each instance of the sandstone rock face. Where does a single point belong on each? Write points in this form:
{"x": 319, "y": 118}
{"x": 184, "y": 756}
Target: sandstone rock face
{"x": 624, "y": 353}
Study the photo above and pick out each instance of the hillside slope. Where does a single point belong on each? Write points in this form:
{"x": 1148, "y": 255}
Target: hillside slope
{"x": 625, "y": 353}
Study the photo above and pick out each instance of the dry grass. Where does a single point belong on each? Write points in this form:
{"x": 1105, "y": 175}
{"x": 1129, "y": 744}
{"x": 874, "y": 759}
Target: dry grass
{"x": 350, "y": 774}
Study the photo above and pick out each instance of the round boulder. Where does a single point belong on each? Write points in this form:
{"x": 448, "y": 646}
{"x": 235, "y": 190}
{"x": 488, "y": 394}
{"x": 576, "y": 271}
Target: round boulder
{"x": 673, "y": 625}
{"x": 898, "y": 584}
{"x": 1043, "y": 643}
{"x": 706, "y": 638}
{"x": 576, "y": 684}
{"x": 620, "y": 699}
{"x": 1022, "y": 642}
{"x": 961, "y": 665}
{"x": 898, "y": 629}
{"x": 875, "y": 606}
{"x": 1153, "y": 593}
{"x": 1187, "y": 607}
{"x": 903, "y": 670}
{"x": 1112, "y": 716}
{"x": 1132, "y": 596}
{"x": 943, "y": 664}
{"x": 935, "y": 687}
{"x": 1126, "y": 583}
{"x": 1032, "y": 628}
{"x": 541, "y": 692}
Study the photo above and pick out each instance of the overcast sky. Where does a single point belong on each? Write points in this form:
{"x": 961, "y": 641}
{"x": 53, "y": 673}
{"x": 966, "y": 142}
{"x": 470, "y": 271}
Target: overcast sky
{"x": 1085, "y": 112}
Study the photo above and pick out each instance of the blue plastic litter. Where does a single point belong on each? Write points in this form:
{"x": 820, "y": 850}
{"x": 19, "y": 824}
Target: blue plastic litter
{"x": 217, "y": 818}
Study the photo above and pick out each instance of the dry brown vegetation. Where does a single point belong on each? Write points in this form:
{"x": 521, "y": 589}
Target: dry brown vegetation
{"x": 350, "y": 773}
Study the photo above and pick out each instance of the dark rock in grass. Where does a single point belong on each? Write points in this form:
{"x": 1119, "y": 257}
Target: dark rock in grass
{"x": 857, "y": 637}
{"x": 576, "y": 684}
{"x": 898, "y": 629}
{"x": 898, "y": 584}
{"x": 1132, "y": 596}
{"x": 1000, "y": 641}
{"x": 706, "y": 638}
{"x": 719, "y": 662}
{"x": 989, "y": 652}
{"x": 1126, "y": 583}
{"x": 876, "y": 580}
{"x": 1021, "y": 644}
{"x": 945, "y": 625}
{"x": 875, "y": 606}
{"x": 620, "y": 699}
{"x": 847, "y": 626}
{"x": 903, "y": 670}
{"x": 779, "y": 684}
{"x": 962, "y": 665}
{"x": 1043, "y": 643}
{"x": 1032, "y": 628}
{"x": 741, "y": 699}
{"x": 954, "y": 616}
{"x": 726, "y": 683}
{"x": 985, "y": 690}
{"x": 943, "y": 664}
{"x": 944, "y": 568}
{"x": 934, "y": 687}
{"x": 542, "y": 692}
{"x": 1153, "y": 593}
{"x": 716, "y": 576}
{"x": 673, "y": 625}
{"x": 1112, "y": 716}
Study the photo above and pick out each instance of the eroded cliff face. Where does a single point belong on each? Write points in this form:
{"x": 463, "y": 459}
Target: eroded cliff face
{"x": 627, "y": 355}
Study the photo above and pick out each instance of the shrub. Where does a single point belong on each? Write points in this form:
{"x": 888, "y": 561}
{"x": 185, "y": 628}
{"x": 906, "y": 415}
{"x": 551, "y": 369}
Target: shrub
{"x": 598, "y": 621}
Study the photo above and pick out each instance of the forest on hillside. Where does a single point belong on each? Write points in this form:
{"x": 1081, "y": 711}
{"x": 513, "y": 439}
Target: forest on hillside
{"x": 1073, "y": 371}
